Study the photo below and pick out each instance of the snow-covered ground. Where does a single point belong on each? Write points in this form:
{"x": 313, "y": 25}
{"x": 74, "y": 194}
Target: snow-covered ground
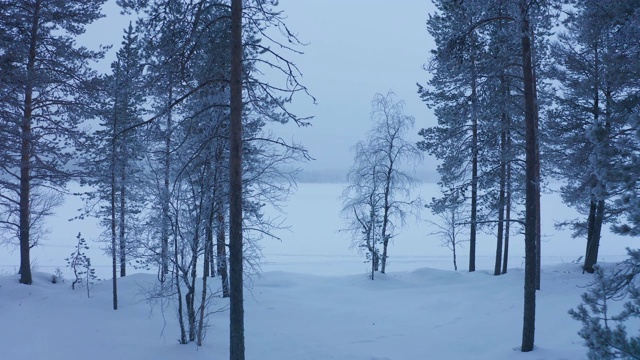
{"x": 422, "y": 314}
{"x": 313, "y": 300}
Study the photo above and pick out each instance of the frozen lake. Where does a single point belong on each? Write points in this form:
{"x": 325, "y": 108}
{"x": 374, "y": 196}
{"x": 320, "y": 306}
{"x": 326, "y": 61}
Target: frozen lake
{"x": 314, "y": 245}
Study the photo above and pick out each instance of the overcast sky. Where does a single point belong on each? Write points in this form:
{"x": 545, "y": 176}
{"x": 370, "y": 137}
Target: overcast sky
{"x": 356, "y": 48}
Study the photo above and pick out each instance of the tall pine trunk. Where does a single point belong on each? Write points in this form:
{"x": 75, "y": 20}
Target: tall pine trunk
{"x": 114, "y": 241}
{"x": 212, "y": 260}
{"x": 597, "y": 232}
{"x": 25, "y": 155}
{"x": 591, "y": 221}
{"x": 209, "y": 248}
{"x": 537, "y": 162}
{"x": 236, "y": 303}
{"x": 123, "y": 241}
{"x": 113, "y": 220}
{"x": 593, "y": 243}
{"x": 205, "y": 274}
{"x": 504, "y": 123}
{"x": 531, "y": 187}
{"x": 221, "y": 250}
{"x": 507, "y": 215}
{"x": 474, "y": 167}
{"x": 453, "y": 239}
{"x": 176, "y": 269}
{"x": 113, "y": 203}
{"x": 589, "y": 259}
{"x": 190, "y": 296}
{"x": 210, "y": 218}
{"x": 501, "y": 197}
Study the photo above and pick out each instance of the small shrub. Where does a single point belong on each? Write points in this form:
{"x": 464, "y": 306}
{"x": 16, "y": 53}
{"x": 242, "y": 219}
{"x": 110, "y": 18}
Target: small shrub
{"x": 57, "y": 276}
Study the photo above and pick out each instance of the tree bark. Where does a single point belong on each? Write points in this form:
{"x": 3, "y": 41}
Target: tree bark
{"x": 597, "y": 206}
{"x": 123, "y": 242}
{"x": 209, "y": 243}
{"x": 501, "y": 196}
{"x": 114, "y": 256}
{"x": 385, "y": 243}
{"x": 591, "y": 220}
{"x": 25, "y": 155}
{"x": 507, "y": 215}
{"x": 236, "y": 303}
{"x": 531, "y": 188}
{"x": 374, "y": 264}
{"x": 372, "y": 244}
{"x": 219, "y": 252}
{"x": 164, "y": 251}
{"x": 212, "y": 261}
{"x": 385, "y": 215}
{"x": 536, "y": 163}
{"x": 114, "y": 236}
{"x": 595, "y": 229}
{"x": 597, "y": 233}
{"x": 474, "y": 169}
{"x": 453, "y": 238}
{"x": 221, "y": 244}
{"x": 205, "y": 274}
{"x": 176, "y": 267}
{"x": 190, "y": 297}
{"x": 500, "y": 235}
{"x": 593, "y": 243}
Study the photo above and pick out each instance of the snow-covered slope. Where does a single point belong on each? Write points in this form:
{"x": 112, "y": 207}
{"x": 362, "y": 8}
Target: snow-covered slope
{"x": 421, "y": 314}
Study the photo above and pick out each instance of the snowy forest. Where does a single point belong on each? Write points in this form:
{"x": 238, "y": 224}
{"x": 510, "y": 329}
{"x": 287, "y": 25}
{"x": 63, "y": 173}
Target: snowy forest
{"x": 184, "y": 183}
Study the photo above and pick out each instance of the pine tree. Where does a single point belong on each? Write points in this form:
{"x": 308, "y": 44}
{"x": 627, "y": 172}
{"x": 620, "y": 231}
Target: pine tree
{"x": 165, "y": 37}
{"x": 532, "y": 187}
{"x": 462, "y": 80}
{"x": 500, "y": 138}
{"x": 589, "y": 142}
{"x": 453, "y": 93}
{"x": 450, "y": 208}
{"x": 80, "y": 265}
{"x": 604, "y": 332}
{"x": 113, "y": 165}
{"x": 49, "y": 79}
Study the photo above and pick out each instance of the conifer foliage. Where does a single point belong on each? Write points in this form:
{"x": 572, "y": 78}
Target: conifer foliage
{"x": 590, "y": 144}
{"x": 46, "y": 79}
{"x": 484, "y": 92}
{"x": 611, "y": 302}
{"x": 80, "y": 265}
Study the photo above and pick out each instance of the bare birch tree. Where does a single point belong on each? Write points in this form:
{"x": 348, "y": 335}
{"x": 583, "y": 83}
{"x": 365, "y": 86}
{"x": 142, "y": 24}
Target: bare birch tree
{"x": 385, "y": 159}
